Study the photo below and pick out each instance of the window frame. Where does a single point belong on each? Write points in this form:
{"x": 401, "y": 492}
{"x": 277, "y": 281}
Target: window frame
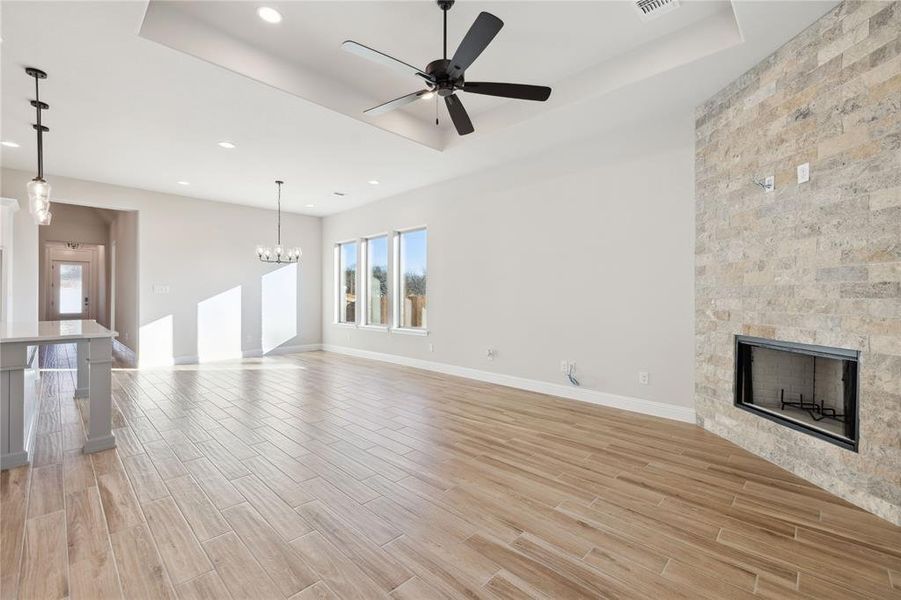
{"x": 339, "y": 291}
{"x": 364, "y": 246}
{"x": 396, "y": 283}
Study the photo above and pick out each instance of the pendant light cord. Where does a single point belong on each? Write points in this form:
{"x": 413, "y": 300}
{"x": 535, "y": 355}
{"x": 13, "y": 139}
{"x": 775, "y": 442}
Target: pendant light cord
{"x": 40, "y": 128}
{"x": 279, "y": 236}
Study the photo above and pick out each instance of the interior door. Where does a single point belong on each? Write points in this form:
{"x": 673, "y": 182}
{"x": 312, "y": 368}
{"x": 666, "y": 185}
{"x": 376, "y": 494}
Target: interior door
{"x": 71, "y": 290}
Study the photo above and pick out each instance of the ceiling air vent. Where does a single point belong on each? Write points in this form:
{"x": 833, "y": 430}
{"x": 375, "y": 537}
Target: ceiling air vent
{"x": 651, "y": 9}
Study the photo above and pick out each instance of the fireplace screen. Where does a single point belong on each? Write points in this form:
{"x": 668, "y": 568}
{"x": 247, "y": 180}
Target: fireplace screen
{"x": 812, "y": 389}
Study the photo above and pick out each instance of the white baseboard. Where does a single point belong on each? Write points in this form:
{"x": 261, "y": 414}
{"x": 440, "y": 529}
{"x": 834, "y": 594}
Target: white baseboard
{"x": 638, "y": 405}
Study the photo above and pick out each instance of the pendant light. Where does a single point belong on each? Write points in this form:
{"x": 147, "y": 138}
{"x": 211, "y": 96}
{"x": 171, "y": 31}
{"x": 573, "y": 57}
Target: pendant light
{"x": 38, "y": 189}
{"x": 279, "y": 254}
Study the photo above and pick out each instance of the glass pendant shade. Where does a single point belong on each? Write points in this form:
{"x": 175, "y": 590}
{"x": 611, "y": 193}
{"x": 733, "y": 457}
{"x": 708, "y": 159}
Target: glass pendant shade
{"x": 43, "y": 217}
{"x": 39, "y": 200}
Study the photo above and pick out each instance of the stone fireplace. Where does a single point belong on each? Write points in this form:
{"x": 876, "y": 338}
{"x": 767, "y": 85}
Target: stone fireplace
{"x": 812, "y": 389}
{"x": 813, "y": 263}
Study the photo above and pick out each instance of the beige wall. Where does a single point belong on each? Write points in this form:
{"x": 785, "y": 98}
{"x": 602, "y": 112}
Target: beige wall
{"x": 198, "y": 249}
{"x": 816, "y": 262}
{"x": 584, "y": 254}
{"x": 123, "y": 232}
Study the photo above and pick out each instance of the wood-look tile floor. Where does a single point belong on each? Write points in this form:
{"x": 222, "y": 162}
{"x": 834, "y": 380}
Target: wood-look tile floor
{"x": 322, "y": 476}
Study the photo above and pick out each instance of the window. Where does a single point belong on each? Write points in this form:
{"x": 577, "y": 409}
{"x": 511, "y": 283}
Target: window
{"x": 347, "y": 282}
{"x": 411, "y": 258}
{"x": 376, "y": 281}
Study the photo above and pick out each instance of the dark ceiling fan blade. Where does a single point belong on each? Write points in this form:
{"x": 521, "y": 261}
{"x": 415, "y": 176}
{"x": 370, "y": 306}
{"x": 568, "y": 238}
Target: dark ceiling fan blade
{"x": 483, "y": 30}
{"x": 396, "y": 103}
{"x": 508, "y": 90}
{"x": 383, "y": 59}
{"x": 458, "y": 115}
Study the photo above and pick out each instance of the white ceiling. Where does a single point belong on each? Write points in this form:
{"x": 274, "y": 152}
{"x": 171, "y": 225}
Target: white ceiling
{"x": 308, "y": 44}
{"x": 134, "y": 112}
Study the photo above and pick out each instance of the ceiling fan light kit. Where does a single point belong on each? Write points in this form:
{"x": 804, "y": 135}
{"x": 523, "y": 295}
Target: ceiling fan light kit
{"x": 38, "y": 189}
{"x": 445, "y": 76}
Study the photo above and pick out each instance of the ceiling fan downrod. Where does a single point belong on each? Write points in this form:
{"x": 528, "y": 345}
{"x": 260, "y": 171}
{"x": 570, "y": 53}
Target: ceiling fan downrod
{"x": 445, "y": 6}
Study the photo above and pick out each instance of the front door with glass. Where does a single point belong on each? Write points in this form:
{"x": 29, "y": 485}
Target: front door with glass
{"x": 71, "y": 290}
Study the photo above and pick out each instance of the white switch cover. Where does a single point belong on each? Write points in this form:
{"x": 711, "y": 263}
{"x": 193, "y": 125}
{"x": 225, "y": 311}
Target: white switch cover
{"x": 643, "y": 377}
{"x": 804, "y": 173}
{"x": 770, "y": 183}
{"x": 160, "y": 289}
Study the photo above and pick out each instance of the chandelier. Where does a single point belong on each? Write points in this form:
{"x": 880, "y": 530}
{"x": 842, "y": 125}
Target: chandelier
{"x": 38, "y": 189}
{"x": 279, "y": 254}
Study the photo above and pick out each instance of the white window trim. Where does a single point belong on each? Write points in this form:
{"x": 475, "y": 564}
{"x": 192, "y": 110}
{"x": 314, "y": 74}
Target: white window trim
{"x": 409, "y": 331}
{"x": 395, "y": 283}
{"x": 338, "y": 285}
{"x": 364, "y": 251}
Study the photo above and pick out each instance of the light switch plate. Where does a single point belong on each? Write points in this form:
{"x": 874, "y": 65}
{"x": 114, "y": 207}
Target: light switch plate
{"x": 770, "y": 183}
{"x": 804, "y": 173}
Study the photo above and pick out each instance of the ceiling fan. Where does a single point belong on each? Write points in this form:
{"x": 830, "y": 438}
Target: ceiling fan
{"x": 444, "y": 77}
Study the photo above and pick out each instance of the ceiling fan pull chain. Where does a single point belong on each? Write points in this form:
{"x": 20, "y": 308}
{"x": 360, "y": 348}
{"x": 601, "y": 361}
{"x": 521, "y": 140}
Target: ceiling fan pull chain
{"x": 436, "y": 109}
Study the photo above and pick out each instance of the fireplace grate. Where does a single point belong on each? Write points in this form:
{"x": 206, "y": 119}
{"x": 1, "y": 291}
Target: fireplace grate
{"x": 817, "y": 411}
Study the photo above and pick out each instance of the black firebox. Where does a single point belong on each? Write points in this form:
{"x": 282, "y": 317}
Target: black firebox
{"x": 812, "y": 389}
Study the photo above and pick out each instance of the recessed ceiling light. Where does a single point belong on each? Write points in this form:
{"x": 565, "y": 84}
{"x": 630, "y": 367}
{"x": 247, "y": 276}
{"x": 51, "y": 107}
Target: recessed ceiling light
{"x": 373, "y": 182}
{"x": 310, "y": 205}
{"x": 270, "y": 15}
{"x": 184, "y": 183}
{"x": 227, "y": 145}
{"x": 10, "y": 144}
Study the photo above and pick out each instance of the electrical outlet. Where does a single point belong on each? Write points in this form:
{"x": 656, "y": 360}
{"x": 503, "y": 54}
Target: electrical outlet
{"x": 643, "y": 377}
{"x": 564, "y": 366}
{"x": 804, "y": 173}
{"x": 431, "y": 347}
{"x": 491, "y": 353}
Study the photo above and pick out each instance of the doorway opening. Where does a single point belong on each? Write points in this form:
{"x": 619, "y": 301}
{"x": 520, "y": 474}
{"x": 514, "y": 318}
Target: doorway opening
{"x": 88, "y": 269}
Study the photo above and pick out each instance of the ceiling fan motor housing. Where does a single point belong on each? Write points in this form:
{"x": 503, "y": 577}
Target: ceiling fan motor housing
{"x": 444, "y": 85}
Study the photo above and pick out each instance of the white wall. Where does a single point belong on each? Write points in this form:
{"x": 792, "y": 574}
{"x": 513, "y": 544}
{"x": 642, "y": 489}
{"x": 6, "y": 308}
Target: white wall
{"x": 585, "y": 253}
{"x": 25, "y": 270}
{"x": 8, "y": 208}
{"x": 198, "y": 249}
